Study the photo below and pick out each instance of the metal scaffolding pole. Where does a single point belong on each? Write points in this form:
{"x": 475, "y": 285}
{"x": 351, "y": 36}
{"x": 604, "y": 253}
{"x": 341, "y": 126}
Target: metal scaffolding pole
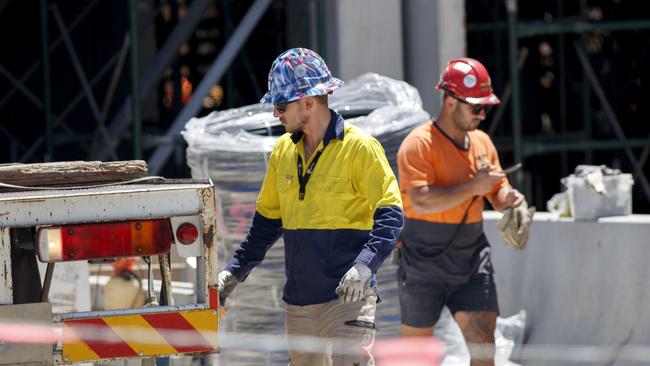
{"x": 168, "y": 52}
{"x": 59, "y": 119}
{"x": 538, "y": 28}
{"x": 47, "y": 97}
{"x": 214, "y": 74}
{"x": 76, "y": 63}
{"x": 564, "y": 169}
{"x": 135, "y": 75}
{"x": 52, "y": 47}
{"x": 611, "y": 116}
{"x": 513, "y": 47}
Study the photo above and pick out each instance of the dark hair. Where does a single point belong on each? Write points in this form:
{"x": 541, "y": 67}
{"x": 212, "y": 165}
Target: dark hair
{"x": 322, "y": 99}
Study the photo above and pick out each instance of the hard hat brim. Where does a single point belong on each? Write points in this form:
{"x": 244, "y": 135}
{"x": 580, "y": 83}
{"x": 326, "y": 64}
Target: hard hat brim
{"x": 316, "y": 90}
{"x": 488, "y": 100}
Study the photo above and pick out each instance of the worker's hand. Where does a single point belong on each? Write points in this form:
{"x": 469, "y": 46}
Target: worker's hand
{"x": 515, "y": 224}
{"x": 514, "y": 198}
{"x": 484, "y": 181}
{"x": 226, "y": 282}
{"x": 355, "y": 284}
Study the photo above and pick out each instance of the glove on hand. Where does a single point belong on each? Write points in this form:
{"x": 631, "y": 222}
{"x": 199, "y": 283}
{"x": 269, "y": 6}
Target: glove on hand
{"x": 515, "y": 224}
{"x": 355, "y": 284}
{"x": 226, "y": 282}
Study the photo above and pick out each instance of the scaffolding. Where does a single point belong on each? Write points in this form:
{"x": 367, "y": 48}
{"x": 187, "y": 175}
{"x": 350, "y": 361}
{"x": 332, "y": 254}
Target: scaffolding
{"x": 116, "y": 118}
{"x": 523, "y": 146}
{"x": 126, "y": 123}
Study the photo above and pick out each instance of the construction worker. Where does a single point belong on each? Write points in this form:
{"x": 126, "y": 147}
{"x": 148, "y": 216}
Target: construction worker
{"x": 446, "y": 167}
{"x": 124, "y": 289}
{"x": 330, "y": 191}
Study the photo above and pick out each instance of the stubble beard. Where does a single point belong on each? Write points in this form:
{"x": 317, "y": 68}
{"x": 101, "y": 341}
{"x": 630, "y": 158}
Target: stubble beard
{"x": 462, "y": 123}
{"x": 298, "y": 127}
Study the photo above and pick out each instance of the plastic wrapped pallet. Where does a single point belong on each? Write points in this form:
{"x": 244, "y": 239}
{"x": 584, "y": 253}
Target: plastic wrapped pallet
{"x": 232, "y": 148}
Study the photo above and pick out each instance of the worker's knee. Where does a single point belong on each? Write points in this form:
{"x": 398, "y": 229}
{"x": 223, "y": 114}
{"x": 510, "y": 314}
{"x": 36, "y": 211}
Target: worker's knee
{"x": 477, "y": 327}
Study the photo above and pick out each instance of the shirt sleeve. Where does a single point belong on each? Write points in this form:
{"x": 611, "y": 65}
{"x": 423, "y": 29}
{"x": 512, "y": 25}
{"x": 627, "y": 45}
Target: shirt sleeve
{"x": 263, "y": 233}
{"x": 375, "y": 180}
{"x": 415, "y": 164}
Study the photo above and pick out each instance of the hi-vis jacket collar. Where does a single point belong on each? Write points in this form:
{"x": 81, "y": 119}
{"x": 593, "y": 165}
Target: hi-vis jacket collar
{"x": 334, "y": 130}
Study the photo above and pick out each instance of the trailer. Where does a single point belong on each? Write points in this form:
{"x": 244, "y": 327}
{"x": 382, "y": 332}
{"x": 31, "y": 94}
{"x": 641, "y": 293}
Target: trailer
{"x": 65, "y": 212}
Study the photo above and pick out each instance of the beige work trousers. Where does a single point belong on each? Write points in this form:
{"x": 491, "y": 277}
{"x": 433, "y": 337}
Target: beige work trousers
{"x": 332, "y": 333}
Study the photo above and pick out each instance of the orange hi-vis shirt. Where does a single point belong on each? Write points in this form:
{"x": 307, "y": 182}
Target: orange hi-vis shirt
{"x": 428, "y": 156}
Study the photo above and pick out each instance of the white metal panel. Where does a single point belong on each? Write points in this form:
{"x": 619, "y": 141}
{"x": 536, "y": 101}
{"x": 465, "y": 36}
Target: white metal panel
{"x": 6, "y": 281}
{"x": 194, "y": 249}
{"x": 99, "y": 204}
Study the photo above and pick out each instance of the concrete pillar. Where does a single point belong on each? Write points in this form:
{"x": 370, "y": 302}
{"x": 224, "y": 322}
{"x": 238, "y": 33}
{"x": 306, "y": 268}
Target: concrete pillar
{"x": 364, "y": 36}
{"x": 434, "y": 33}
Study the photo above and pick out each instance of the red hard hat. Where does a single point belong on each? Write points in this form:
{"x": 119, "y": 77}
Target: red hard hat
{"x": 468, "y": 79}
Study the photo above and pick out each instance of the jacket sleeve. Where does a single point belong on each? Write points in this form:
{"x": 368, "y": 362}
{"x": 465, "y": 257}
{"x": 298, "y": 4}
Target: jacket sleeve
{"x": 376, "y": 180}
{"x": 263, "y": 233}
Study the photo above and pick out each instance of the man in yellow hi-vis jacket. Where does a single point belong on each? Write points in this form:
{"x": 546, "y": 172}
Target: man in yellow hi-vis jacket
{"x": 331, "y": 193}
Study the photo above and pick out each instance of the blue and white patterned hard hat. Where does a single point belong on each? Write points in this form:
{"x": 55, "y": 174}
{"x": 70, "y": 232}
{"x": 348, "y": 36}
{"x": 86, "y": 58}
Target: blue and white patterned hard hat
{"x": 299, "y": 73}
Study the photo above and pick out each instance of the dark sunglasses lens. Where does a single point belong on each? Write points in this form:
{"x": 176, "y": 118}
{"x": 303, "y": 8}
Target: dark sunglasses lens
{"x": 476, "y": 109}
{"x": 281, "y": 107}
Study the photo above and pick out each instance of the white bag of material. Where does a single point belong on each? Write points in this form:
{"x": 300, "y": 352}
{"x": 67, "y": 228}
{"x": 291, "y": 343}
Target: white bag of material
{"x": 598, "y": 191}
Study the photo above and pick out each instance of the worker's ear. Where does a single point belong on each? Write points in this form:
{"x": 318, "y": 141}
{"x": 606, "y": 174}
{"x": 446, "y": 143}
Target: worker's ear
{"x": 309, "y": 103}
{"x": 446, "y": 100}
{"x": 451, "y": 101}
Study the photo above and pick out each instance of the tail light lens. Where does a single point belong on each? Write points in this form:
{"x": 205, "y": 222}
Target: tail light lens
{"x": 187, "y": 233}
{"x": 110, "y": 240}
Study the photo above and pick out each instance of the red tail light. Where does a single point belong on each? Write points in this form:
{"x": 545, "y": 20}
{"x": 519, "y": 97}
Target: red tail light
{"x": 111, "y": 240}
{"x": 187, "y": 233}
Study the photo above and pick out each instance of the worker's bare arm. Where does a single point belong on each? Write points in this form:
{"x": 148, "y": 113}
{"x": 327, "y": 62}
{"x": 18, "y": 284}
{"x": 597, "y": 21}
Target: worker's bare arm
{"x": 434, "y": 198}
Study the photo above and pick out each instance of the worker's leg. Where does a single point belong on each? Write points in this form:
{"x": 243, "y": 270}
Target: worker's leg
{"x": 350, "y": 328}
{"x": 408, "y": 331}
{"x": 420, "y": 306}
{"x": 478, "y": 329}
{"x": 475, "y": 308}
{"x": 306, "y": 347}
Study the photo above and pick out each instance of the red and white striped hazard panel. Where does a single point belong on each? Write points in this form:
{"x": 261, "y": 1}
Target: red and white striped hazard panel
{"x": 139, "y": 335}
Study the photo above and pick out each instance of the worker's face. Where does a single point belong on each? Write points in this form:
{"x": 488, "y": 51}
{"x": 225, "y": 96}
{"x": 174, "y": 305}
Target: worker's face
{"x": 467, "y": 116}
{"x": 292, "y": 115}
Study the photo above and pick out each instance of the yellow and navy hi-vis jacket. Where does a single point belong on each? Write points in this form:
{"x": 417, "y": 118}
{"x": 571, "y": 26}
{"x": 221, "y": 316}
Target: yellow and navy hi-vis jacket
{"x": 351, "y": 212}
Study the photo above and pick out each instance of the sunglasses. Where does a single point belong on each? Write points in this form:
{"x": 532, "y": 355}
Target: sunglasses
{"x": 282, "y": 107}
{"x": 476, "y": 108}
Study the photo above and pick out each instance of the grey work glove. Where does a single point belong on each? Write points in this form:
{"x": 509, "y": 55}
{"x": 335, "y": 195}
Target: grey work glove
{"x": 355, "y": 284}
{"x": 515, "y": 224}
{"x": 226, "y": 282}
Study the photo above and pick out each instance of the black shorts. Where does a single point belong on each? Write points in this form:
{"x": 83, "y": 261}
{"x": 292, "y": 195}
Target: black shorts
{"x": 422, "y": 303}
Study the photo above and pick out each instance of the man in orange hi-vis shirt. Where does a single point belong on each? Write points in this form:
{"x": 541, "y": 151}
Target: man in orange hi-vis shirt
{"x": 446, "y": 167}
